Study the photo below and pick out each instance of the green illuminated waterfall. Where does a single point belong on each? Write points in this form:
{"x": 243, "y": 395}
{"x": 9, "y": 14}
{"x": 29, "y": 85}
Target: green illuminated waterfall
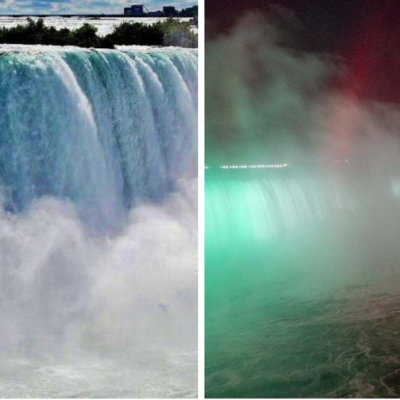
{"x": 302, "y": 278}
{"x": 257, "y": 211}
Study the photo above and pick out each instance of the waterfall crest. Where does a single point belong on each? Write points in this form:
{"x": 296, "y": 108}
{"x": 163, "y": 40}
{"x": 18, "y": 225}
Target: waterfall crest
{"x": 251, "y": 211}
{"x": 104, "y": 129}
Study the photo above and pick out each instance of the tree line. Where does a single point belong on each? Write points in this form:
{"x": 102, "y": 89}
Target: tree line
{"x": 170, "y": 32}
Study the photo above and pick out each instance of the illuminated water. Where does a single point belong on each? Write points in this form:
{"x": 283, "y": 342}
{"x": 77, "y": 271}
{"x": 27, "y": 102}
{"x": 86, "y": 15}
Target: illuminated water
{"x": 98, "y": 222}
{"x": 302, "y": 286}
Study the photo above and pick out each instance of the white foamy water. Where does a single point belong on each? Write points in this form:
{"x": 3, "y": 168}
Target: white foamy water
{"x": 98, "y": 222}
{"x": 111, "y": 316}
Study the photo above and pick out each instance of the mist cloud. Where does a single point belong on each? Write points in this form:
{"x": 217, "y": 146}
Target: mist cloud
{"x": 267, "y": 101}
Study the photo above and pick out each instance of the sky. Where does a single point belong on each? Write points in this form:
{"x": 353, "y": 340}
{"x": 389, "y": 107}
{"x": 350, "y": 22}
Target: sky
{"x": 82, "y": 6}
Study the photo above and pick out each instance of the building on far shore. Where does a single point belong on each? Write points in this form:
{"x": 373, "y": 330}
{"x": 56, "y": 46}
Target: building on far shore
{"x": 140, "y": 10}
{"x": 170, "y": 11}
{"x": 136, "y": 10}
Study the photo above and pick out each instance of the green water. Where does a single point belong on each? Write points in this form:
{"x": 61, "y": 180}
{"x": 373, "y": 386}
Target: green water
{"x": 302, "y": 290}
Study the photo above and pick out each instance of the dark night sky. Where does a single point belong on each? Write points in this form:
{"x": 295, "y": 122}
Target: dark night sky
{"x": 366, "y": 33}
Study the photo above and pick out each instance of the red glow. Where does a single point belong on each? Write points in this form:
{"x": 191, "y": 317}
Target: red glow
{"x": 364, "y": 61}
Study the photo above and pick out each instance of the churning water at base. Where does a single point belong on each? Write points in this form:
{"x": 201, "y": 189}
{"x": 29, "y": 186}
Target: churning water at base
{"x": 302, "y": 287}
{"x": 98, "y": 226}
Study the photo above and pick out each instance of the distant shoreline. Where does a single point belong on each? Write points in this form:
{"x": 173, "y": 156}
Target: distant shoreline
{"x": 166, "y": 32}
{"x": 87, "y": 16}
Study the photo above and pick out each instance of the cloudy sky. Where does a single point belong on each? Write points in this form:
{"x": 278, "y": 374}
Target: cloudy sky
{"x": 78, "y": 6}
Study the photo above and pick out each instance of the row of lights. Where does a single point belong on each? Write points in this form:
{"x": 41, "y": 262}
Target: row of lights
{"x": 253, "y": 166}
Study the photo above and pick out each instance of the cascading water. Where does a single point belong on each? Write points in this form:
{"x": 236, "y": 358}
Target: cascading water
{"x": 301, "y": 285}
{"x": 98, "y": 236}
{"x": 104, "y": 129}
{"x": 257, "y": 211}
{"x": 302, "y": 263}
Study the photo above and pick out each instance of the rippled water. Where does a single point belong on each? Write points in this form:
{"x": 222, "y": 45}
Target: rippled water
{"x": 153, "y": 374}
{"x": 313, "y": 313}
{"x": 308, "y": 349}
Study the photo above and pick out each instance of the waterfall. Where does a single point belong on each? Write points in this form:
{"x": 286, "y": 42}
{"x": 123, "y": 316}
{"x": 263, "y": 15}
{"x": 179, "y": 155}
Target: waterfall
{"x": 105, "y": 129}
{"x": 98, "y": 221}
{"x": 251, "y": 211}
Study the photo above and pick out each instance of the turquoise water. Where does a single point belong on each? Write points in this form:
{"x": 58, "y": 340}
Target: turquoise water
{"x": 98, "y": 153}
{"x": 302, "y": 288}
